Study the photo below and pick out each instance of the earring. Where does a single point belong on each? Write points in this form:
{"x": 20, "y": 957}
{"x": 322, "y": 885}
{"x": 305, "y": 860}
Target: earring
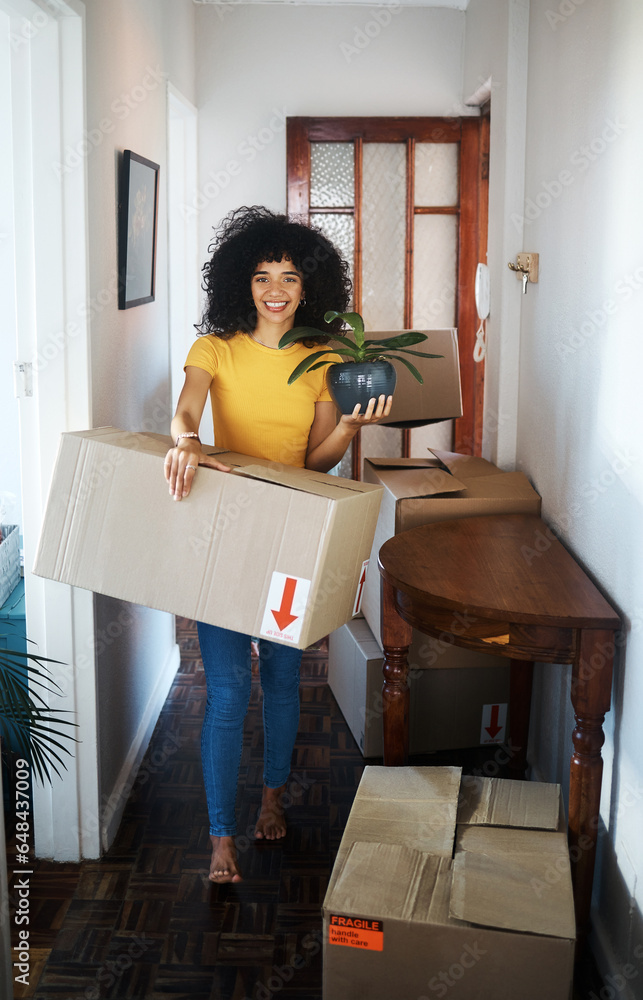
{"x": 302, "y": 301}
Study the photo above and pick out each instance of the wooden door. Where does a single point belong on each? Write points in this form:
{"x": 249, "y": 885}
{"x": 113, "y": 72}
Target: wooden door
{"x": 405, "y": 200}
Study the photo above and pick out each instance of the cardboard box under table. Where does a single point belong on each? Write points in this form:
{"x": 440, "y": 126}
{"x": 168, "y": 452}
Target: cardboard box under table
{"x": 450, "y": 886}
{"x": 449, "y": 708}
{"x": 269, "y": 550}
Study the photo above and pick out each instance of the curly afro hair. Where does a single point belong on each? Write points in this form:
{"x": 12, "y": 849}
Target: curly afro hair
{"x": 250, "y": 235}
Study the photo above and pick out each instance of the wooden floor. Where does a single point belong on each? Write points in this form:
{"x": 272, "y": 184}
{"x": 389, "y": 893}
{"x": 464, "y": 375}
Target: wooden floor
{"x": 145, "y": 922}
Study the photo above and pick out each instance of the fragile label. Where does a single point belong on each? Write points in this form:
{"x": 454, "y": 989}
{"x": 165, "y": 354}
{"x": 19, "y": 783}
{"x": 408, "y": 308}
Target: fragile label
{"x": 360, "y": 588}
{"x": 283, "y": 614}
{"x": 494, "y": 723}
{"x": 356, "y": 932}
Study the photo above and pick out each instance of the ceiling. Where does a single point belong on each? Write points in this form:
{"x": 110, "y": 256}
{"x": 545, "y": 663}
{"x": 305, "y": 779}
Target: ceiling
{"x": 450, "y": 4}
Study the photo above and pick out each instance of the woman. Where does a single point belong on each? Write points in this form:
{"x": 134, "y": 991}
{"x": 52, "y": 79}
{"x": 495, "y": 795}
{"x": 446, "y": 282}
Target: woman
{"x": 266, "y": 275}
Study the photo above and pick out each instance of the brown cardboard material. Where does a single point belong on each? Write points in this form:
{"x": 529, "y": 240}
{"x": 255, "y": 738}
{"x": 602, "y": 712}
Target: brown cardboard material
{"x": 439, "y": 397}
{"x": 411, "y": 921}
{"x": 438, "y": 488}
{"x": 446, "y": 705}
{"x": 267, "y": 549}
{"x": 497, "y": 802}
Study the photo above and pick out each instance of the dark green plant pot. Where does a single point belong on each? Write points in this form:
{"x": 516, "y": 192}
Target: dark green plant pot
{"x": 351, "y": 383}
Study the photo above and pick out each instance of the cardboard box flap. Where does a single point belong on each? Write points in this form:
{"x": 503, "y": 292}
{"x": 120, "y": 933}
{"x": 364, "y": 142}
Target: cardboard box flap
{"x": 502, "y": 878}
{"x": 338, "y": 490}
{"x": 404, "y": 889}
{"x": 419, "y": 812}
{"x": 502, "y": 802}
{"x": 404, "y": 463}
{"x": 412, "y": 824}
{"x": 432, "y": 786}
{"x": 508, "y": 486}
{"x": 465, "y": 466}
{"x": 416, "y": 482}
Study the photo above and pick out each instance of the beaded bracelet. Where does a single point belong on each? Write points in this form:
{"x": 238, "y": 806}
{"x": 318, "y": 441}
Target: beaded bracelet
{"x": 188, "y": 434}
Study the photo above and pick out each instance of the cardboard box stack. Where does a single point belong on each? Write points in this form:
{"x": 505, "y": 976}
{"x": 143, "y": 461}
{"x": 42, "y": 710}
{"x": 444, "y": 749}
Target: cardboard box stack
{"x": 448, "y": 885}
{"x": 268, "y": 550}
{"x": 450, "y": 708}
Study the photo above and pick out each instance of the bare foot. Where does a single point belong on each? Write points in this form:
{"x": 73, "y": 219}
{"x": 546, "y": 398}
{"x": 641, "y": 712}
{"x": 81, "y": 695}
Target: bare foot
{"x": 223, "y": 866}
{"x": 271, "y": 822}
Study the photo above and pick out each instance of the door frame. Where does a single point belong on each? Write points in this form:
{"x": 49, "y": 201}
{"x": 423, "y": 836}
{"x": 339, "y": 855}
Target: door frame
{"x": 50, "y": 242}
{"x": 472, "y": 133}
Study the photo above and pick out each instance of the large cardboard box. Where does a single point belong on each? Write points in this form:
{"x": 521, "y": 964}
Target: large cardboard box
{"x": 438, "y": 488}
{"x": 267, "y": 549}
{"x": 439, "y": 396}
{"x": 406, "y": 915}
{"x": 448, "y": 708}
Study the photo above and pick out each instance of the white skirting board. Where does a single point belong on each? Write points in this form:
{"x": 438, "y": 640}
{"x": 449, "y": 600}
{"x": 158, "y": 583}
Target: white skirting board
{"x": 114, "y": 803}
{"x": 608, "y": 964}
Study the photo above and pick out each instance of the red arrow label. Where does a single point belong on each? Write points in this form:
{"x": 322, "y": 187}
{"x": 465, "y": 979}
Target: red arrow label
{"x": 493, "y": 728}
{"x": 284, "y": 617}
{"x": 360, "y": 589}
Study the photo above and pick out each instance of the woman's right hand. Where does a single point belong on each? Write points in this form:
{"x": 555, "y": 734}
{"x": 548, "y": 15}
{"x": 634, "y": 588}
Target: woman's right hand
{"x": 181, "y": 466}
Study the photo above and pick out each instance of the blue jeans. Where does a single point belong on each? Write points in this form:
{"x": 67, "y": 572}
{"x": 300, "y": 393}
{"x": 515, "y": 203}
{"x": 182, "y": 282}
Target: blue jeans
{"x": 226, "y": 661}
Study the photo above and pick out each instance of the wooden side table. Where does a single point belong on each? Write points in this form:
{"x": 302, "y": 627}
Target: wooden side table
{"x": 504, "y": 584}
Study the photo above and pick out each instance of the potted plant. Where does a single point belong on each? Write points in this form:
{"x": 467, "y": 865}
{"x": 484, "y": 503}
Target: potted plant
{"x": 367, "y": 373}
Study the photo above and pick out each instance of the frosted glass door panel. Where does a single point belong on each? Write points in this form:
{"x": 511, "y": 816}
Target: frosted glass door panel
{"x": 332, "y": 175}
{"x": 380, "y": 442}
{"x": 340, "y": 230}
{"x": 438, "y": 436}
{"x": 383, "y": 234}
{"x": 436, "y": 174}
{"x": 434, "y": 271}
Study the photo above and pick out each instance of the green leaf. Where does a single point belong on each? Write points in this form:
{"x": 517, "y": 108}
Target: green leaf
{"x": 307, "y": 363}
{"x": 320, "y": 364}
{"x": 419, "y": 354}
{"x": 299, "y": 332}
{"x": 400, "y": 340}
{"x": 353, "y": 319}
{"x": 25, "y": 716}
{"x": 413, "y": 370}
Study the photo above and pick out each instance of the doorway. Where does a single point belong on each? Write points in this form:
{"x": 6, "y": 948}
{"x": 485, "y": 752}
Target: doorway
{"x": 405, "y": 199}
{"x": 45, "y": 252}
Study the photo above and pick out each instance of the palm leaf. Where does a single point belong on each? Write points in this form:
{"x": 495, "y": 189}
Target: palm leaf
{"x": 25, "y": 717}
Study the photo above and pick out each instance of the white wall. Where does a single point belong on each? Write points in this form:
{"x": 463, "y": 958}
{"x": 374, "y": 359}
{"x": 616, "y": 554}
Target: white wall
{"x": 258, "y": 64}
{"x": 578, "y": 410}
{"x": 133, "y": 48}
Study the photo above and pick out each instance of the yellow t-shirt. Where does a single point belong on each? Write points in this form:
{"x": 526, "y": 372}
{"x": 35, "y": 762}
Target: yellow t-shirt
{"x": 254, "y": 410}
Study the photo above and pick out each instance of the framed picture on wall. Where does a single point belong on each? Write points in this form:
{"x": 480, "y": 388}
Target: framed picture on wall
{"x": 137, "y": 222}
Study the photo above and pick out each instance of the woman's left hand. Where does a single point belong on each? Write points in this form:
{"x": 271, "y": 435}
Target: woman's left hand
{"x": 376, "y": 409}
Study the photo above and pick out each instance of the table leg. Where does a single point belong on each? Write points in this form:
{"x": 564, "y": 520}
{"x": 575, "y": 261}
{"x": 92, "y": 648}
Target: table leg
{"x": 396, "y": 639}
{"x": 520, "y": 684}
{"x": 591, "y": 695}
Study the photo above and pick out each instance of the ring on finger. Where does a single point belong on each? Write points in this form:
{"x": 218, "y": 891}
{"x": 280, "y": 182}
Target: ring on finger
{"x": 193, "y": 467}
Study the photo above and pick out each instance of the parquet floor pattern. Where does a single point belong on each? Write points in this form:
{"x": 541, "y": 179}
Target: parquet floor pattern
{"x": 145, "y": 922}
